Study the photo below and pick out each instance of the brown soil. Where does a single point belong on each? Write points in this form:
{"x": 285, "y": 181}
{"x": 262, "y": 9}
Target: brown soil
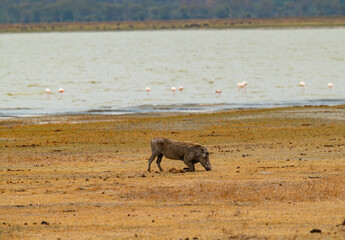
{"x": 237, "y": 23}
{"x": 276, "y": 174}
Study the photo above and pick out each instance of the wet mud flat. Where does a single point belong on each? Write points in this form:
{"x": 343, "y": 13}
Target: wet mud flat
{"x": 276, "y": 174}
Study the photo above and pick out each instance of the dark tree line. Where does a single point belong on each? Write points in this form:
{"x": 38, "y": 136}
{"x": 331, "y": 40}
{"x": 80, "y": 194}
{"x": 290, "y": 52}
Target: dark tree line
{"x": 30, "y": 11}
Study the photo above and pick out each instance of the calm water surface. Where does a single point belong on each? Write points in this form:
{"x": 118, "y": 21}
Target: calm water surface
{"x": 107, "y": 72}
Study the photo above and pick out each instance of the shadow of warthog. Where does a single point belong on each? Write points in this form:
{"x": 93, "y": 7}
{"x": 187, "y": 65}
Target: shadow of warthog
{"x": 189, "y": 153}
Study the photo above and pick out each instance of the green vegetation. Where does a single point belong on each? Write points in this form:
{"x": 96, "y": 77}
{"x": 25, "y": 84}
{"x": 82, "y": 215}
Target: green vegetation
{"x": 49, "y": 11}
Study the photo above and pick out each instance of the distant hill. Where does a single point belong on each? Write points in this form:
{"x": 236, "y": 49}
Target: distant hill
{"x": 48, "y": 11}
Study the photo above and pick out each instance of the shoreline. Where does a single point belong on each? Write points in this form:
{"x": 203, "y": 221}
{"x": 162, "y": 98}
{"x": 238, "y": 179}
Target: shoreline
{"x": 98, "y": 115}
{"x": 240, "y": 23}
{"x": 177, "y": 109}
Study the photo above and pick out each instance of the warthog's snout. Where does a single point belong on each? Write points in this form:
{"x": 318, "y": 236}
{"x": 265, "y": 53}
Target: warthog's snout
{"x": 208, "y": 167}
{"x": 206, "y": 164}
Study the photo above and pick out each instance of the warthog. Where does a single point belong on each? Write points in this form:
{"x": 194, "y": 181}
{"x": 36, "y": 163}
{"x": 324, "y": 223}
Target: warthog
{"x": 189, "y": 153}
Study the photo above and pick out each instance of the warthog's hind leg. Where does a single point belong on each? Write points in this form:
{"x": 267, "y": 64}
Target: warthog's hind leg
{"x": 159, "y": 159}
{"x": 153, "y": 156}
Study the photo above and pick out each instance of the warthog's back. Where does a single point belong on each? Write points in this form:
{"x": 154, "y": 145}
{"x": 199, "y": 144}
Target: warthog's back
{"x": 169, "y": 148}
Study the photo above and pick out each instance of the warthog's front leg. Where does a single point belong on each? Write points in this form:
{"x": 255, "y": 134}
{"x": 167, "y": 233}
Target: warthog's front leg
{"x": 153, "y": 156}
{"x": 159, "y": 159}
{"x": 190, "y": 165}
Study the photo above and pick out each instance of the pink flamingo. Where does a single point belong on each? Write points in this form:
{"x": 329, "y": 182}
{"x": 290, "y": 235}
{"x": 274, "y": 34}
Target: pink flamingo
{"x": 241, "y": 84}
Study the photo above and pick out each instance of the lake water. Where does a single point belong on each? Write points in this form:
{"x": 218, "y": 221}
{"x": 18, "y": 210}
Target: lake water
{"x": 107, "y": 72}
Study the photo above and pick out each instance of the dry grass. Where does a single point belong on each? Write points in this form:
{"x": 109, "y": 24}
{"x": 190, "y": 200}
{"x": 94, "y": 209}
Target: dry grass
{"x": 245, "y": 191}
{"x": 178, "y": 24}
{"x": 277, "y": 174}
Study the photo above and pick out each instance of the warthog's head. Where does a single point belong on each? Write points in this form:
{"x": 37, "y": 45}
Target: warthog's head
{"x": 204, "y": 159}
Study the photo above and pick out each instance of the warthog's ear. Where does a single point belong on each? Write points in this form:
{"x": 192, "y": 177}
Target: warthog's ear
{"x": 205, "y": 153}
{"x": 202, "y": 149}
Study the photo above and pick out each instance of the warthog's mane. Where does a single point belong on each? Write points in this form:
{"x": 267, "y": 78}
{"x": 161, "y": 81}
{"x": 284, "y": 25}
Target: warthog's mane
{"x": 189, "y": 144}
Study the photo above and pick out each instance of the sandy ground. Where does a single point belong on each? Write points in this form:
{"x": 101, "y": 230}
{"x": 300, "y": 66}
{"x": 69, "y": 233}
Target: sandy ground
{"x": 277, "y": 174}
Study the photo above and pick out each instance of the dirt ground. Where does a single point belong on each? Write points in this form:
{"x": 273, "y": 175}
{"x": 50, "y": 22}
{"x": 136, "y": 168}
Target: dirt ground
{"x": 276, "y": 174}
{"x": 230, "y": 23}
